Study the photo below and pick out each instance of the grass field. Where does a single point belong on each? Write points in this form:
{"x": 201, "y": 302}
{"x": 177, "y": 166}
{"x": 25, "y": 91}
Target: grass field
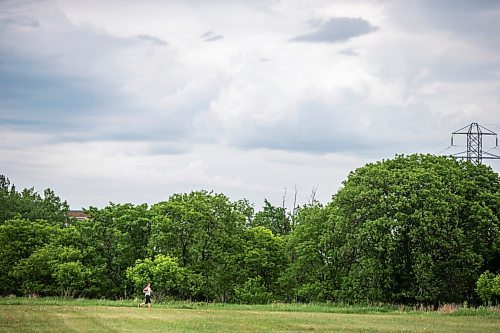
{"x": 52, "y": 315}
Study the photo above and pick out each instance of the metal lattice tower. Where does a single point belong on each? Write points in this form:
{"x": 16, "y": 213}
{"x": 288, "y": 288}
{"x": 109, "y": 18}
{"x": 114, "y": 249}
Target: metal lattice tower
{"x": 474, "y": 152}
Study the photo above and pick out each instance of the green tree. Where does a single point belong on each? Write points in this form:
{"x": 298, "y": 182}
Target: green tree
{"x": 263, "y": 260}
{"x": 313, "y": 270}
{"x": 164, "y": 273}
{"x": 8, "y": 199}
{"x": 204, "y": 230}
{"x": 253, "y": 292}
{"x": 112, "y": 239}
{"x": 274, "y": 218}
{"x": 105, "y": 251}
{"x": 246, "y": 208}
{"x": 71, "y": 278}
{"x": 30, "y": 205}
{"x": 19, "y": 239}
{"x": 51, "y": 270}
{"x": 416, "y": 229}
{"x": 488, "y": 287}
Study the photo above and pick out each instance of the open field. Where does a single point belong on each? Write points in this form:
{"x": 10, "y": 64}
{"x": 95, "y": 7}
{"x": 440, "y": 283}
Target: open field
{"x": 73, "y": 316}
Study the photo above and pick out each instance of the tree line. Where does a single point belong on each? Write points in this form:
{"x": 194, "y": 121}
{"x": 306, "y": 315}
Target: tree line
{"x": 412, "y": 229}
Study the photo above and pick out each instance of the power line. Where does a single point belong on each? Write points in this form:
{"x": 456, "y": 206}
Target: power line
{"x": 444, "y": 150}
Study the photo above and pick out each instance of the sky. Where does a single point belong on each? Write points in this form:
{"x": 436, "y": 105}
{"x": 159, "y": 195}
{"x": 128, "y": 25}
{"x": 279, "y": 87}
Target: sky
{"x": 133, "y": 101}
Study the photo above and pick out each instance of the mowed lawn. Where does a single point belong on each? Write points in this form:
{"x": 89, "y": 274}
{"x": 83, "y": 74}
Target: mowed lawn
{"x": 75, "y": 318}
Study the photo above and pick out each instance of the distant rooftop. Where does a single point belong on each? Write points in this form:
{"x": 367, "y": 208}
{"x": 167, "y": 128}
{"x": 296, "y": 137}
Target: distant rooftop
{"x": 78, "y": 214}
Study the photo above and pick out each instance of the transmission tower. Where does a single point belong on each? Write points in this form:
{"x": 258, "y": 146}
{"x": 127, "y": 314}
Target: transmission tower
{"x": 474, "y": 152}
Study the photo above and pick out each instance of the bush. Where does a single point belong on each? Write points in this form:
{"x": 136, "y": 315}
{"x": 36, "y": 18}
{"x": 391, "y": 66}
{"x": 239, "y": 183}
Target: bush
{"x": 488, "y": 287}
{"x": 252, "y": 292}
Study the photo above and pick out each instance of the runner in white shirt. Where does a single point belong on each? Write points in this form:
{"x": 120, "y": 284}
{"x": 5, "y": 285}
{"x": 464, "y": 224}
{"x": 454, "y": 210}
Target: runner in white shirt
{"x": 147, "y": 292}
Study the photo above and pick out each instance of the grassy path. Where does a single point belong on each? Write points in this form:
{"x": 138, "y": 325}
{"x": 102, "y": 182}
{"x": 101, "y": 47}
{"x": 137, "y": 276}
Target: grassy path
{"x": 75, "y": 318}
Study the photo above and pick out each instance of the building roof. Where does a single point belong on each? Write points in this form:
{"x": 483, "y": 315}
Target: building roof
{"x": 78, "y": 214}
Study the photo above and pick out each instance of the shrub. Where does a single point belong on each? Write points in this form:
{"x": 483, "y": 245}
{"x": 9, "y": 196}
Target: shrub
{"x": 488, "y": 287}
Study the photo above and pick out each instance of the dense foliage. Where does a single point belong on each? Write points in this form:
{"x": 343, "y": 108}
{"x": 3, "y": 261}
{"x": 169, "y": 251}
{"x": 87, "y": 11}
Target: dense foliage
{"x": 488, "y": 287}
{"x": 414, "y": 229}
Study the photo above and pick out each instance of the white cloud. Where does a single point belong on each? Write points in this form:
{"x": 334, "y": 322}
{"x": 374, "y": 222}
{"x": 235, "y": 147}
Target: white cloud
{"x": 94, "y": 173}
{"x": 336, "y": 30}
{"x": 112, "y": 101}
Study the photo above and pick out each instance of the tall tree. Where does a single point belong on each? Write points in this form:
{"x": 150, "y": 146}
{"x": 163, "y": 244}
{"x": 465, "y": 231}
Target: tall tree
{"x": 263, "y": 259}
{"x": 19, "y": 239}
{"x": 312, "y": 273}
{"x": 163, "y": 272}
{"x": 273, "y": 218}
{"x": 112, "y": 239}
{"x": 419, "y": 228}
{"x": 204, "y": 231}
{"x": 30, "y": 205}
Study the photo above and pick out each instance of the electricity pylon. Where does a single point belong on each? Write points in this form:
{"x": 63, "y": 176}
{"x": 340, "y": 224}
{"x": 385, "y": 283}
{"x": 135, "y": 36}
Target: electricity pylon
{"x": 474, "y": 152}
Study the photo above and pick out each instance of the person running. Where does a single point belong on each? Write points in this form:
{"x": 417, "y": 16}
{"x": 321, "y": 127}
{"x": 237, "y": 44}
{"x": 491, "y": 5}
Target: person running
{"x": 147, "y": 292}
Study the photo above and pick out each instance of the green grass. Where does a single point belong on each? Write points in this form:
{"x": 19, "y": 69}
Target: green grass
{"x": 59, "y": 315}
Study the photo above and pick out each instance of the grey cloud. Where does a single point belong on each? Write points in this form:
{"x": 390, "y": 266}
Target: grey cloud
{"x": 35, "y": 99}
{"x": 52, "y": 92}
{"x": 477, "y": 21}
{"x": 467, "y": 24}
{"x": 38, "y": 96}
{"x": 152, "y": 39}
{"x": 206, "y": 34}
{"x": 336, "y": 30}
{"x": 210, "y": 36}
{"x": 314, "y": 127}
{"x": 20, "y": 21}
{"x": 349, "y": 52}
{"x": 12, "y": 13}
{"x": 351, "y": 125}
{"x": 161, "y": 148}
{"x": 214, "y": 38}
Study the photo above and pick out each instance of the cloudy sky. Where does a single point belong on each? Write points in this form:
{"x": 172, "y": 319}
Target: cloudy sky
{"x": 132, "y": 101}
